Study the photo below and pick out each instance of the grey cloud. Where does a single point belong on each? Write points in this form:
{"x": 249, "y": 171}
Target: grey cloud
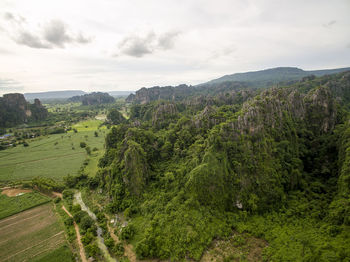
{"x": 56, "y": 33}
{"x": 28, "y": 39}
{"x": 9, "y": 16}
{"x": 82, "y": 39}
{"x": 138, "y": 46}
{"x": 14, "y": 18}
{"x": 167, "y": 40}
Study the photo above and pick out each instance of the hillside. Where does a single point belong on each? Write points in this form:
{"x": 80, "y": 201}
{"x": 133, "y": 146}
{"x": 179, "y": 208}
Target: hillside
{"x": 272, "y": 76}
{"x": 14, "y": 110}
{"x": 274, "y": 165}
{"x": 241, "y": 81}
{"x": 94, "y": 98}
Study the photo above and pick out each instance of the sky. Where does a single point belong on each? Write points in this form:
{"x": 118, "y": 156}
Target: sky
{"x": 111, "y": 45}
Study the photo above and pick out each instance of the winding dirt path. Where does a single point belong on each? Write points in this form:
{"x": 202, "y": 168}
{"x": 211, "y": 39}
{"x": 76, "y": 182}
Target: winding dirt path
{"x": 81, "y": 247}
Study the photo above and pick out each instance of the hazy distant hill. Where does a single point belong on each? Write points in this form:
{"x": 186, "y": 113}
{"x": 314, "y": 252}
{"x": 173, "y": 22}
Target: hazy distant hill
{"x": 120, "y": 93}
{"x": 54, "y": 94}
{"x": 228, "y": 83}
{"x": 272, "y": 76}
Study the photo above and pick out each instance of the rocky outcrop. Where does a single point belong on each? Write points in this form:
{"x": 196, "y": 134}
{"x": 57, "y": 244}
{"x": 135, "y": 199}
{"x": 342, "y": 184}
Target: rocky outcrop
{"x": 95, "y": 98}
{"x": 163, "y": 112}
{"x": 14, "y": 109}
{"x": 269, "y": 110}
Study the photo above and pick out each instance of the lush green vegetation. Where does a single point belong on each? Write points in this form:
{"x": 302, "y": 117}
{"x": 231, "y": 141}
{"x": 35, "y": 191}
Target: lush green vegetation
{"x": 13, "y": 205}
{"x": 275, "y": 166}
{"x": 95, "y": 98}
{"x": 53, "y": 156}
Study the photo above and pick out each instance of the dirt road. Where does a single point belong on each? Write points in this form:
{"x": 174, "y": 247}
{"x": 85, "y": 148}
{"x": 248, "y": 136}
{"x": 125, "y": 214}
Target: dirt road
{"x": 76, "y": 227}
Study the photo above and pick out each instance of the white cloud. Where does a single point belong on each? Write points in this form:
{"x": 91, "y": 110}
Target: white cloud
{"x": 164, "y": 42}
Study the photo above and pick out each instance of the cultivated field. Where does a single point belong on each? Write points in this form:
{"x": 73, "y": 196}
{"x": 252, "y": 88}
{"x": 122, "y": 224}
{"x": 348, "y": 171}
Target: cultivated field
{"x": 15, "y": 204}
{"x": 52, "y": 156}
{"x": 31, "y": 235}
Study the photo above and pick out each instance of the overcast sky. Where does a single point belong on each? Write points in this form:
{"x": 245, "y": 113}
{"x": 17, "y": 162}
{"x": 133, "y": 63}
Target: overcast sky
{"x": 110, "y": 45}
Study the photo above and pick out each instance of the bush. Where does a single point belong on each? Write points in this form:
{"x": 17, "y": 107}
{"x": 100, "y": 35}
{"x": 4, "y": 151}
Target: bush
{"x": 88, "y": 150}
{"x": 118, "y": 250}
{"x": 92, "y": 250}
{"x": 86, "y": 222}
{"x": 127, "y": 232}
{"x": 76, "y": 208}
{"x": 68, "y": 221}
{"x": 82, "y": 144}
{"x": 68, "y": 194}
{"x": 78, "y": 217}
{"x": 109, "y": 242}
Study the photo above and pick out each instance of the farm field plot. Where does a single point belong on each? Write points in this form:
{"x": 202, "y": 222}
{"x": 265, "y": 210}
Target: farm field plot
{"x": 16, "y": 204}
{"x": 52, "y": 156}
{"x": 31, "y": 234}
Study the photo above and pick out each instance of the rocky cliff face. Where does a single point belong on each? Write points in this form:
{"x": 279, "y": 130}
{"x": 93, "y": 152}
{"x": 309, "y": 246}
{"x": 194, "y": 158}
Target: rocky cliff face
{"x": 15, "y": 110}
{"x": 163, "y": 112}
{"x": 170, "y": 93}
{"x": 270, "y": 109}
{"x": 15, "y": 101}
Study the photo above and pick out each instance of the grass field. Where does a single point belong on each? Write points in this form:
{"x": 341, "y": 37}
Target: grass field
{"x": 52, "y": 156}
{"x": 31, "y": 234}
{"x": 61, "y": 254}
{"x": 14, "y": 205}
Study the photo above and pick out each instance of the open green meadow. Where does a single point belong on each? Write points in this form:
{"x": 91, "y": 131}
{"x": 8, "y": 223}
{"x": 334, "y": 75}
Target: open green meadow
{"x": 53, "y": 156}
{"x": 13, "y": 205}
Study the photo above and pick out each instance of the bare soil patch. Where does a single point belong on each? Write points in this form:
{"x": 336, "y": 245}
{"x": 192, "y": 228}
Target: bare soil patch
{"x": 12, "y": 192}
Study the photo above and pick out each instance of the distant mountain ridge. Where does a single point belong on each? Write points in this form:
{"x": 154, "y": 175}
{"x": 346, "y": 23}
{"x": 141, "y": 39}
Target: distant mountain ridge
{"x": 64, "y": 94}
{"x": 229, "y": 83}
{"x": 272, "y": 76}
{"x": 54, "y": 94}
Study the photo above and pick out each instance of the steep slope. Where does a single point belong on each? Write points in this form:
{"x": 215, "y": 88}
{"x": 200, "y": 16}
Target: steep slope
{"x": 272, "y": 76}
{"x": 278, "y": 158}
{"x": 236, "y": 82}
{"x": 14, "y": 109}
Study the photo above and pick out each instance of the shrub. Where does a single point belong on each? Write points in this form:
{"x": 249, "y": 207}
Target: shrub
{"x": 68, "y": 221}
{"x": 109, "y": 242}
{"x": 127, "y": 232}
{"x": 86, "y": 222}
{"x": 82, "y": 144}
{"x": 78, "y": 217}
{"x": 118, "y": 250}
{"x": 88, "y": 150}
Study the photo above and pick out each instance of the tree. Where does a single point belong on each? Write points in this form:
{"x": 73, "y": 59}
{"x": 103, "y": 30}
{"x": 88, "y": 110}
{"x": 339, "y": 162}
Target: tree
{"x": 82, "y": 144}
{"x": 86, "y": 222}
{"x": 114, "y": 117}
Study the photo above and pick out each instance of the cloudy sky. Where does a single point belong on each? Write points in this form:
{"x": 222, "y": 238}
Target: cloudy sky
{"x": 110, "y": 45}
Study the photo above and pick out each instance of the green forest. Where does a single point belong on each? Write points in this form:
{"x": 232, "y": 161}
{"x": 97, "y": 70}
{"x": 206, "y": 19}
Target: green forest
{"x": 273, "y": 163}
